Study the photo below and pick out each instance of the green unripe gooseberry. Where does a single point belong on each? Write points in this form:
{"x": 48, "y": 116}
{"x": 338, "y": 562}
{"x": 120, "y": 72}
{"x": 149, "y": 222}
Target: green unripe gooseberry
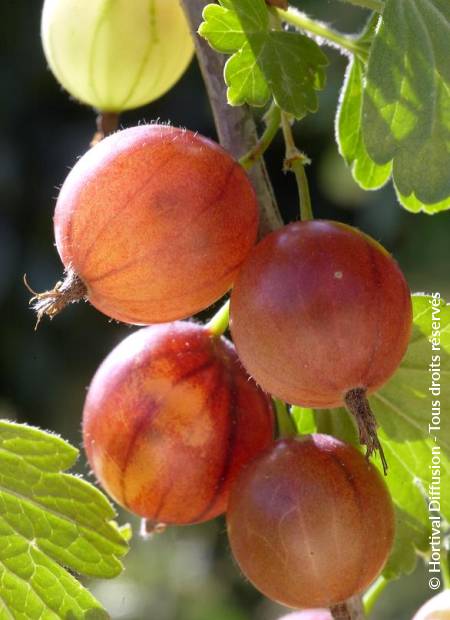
{"x": 115, "y": 54}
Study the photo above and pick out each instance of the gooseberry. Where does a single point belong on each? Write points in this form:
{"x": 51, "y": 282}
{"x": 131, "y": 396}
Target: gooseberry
{"x": 152, "y": 225}
{"x": 116, "y": 55}
{"x": 437, "y": 608}
{"x": 321, "y": 315}
{"x": 310, "y": 522}
{"x": 170, "y": 418}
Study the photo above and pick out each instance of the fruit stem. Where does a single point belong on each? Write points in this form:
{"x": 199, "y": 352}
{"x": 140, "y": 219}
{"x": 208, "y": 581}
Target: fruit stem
{"x": 286, "y": 426}
{"x": 302, "y": 22}
{"x": 218, "y": 324}
{"x": 340, "y": 612}
{"x": 67, "y": 291}
{"x": 149, "y": 528}
{"x": 272, "y": 119}
{"x": 373, "y": 593}
{"x": 107, "y": 123}
{"x": 349, "y": 610}
{"x": 295, "y": 161}
{"x": 358, "y": 405}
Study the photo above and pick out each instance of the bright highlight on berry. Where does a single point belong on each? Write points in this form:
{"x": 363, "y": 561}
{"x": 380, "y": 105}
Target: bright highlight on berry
{"x": 115, "y": 54}
{"x": 170, "y": 418}
{"x": 152, "y": 225}
{"x": 310, "y": 522}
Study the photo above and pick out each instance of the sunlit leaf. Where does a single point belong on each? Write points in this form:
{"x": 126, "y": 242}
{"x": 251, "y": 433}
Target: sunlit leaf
{"x": 50, "y": 522}
{"x": 406, "y": 107}
{"x": 265, "y": 61}
{"x": 403, "y": 408}
{"x": 366, "y": 172}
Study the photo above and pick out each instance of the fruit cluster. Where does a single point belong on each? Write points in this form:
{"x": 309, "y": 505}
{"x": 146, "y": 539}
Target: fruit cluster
{"x": 155, "y": 224}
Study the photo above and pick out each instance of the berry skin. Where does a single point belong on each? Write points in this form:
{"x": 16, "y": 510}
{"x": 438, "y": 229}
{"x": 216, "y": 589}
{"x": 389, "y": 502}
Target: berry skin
{"x": 437, "y": 608}
{"x": 170, "y": 418}
{"x": 116, "y": 55}
{"x": 319, "y": 309}
{"x": 155, "y": 222}
{"x": 310, "y": 522}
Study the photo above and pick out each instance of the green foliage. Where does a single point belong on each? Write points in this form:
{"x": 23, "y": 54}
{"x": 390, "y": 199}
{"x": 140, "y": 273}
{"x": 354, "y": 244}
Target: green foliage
{"x": 406, "y": 102}
{"x": 265, "y": 61}
{"x": 415, "y": 206}
{"x": 403, "y": 410}
{"x": 393, "y": 117}
{"x": 48, "y": 519}
{"x": 365, "y": 171}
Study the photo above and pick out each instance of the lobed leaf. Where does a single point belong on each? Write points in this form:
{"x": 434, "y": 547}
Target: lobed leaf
{"x": 48, "y": 519}
{"x": 265, "y": 61}
{"x": 406, "y": 102}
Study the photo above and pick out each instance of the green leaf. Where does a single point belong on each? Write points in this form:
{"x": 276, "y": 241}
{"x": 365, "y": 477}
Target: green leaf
{"x": 403, "y": 410}
{"x": 365, "y": 171}
{"x": 266, "y": 61}
{"x": 222, "y": 29}
{"x": 304, "y": 419}
{"x": 406, "y": 107}
{"x": 411, "y": 203}
{"x": 47, "y": 519}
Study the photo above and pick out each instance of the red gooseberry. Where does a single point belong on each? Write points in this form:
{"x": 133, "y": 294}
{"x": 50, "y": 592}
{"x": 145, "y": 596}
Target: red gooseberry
{"x": 321, "y": 315}
{"x": 310, "y": 522}
{"x": 170, "y": 418}
{"x": 152, "y": 225}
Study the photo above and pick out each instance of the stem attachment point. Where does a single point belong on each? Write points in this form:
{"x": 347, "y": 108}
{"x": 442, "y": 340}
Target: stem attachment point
{"x": 340, "y": 612}
{"x": 358, "y": 405}
{"x": 350, "y": 609}
{"x": 50, "y": 303}
{"x": 107, "y": 123}
{"x": 149, "y": 528}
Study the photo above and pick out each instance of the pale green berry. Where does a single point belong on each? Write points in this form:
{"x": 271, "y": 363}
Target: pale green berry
{"x": 116, "y": 54}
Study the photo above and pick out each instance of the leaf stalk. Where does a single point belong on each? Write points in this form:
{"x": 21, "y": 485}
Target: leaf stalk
{"x": 273, "y": 120}
{"x": 295, "y": 161}
{"x": 218, "y": 324}
{"x": 373, "y": 594}
{"x": 344, "y": 42}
